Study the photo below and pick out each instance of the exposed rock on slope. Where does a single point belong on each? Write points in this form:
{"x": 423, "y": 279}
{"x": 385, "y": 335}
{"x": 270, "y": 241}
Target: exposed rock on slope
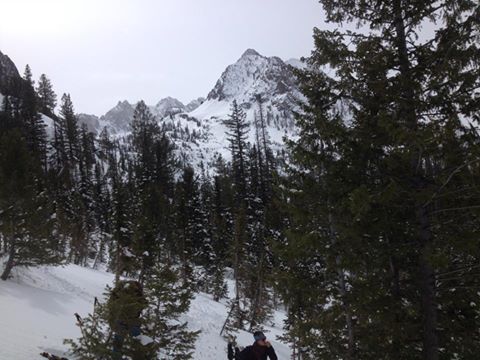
{"x": 8, "y": 71}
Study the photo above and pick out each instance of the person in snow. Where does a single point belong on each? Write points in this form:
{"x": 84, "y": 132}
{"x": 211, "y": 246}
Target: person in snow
{"x": 125, "y": 305}
{"x": 260, "y": 350}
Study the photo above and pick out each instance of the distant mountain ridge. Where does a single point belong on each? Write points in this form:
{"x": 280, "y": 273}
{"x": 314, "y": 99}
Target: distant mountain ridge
{"x": 256, "y": 82}
{"x": 197, "y": 128}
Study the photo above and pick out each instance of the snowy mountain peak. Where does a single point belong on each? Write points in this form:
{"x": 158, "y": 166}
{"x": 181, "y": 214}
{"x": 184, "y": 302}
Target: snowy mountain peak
{"x": 250, "y": 52}
{"x": 119, "y": 117}
{"x": 123, "y": 105}
{"x": 252, "y": 75}
{"x": 167, "y": 107}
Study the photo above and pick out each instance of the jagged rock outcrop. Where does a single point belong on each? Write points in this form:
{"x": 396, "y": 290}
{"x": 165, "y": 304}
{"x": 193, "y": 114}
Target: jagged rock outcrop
{"x": 192, "y": 105}
{"x": 118, "y": 118}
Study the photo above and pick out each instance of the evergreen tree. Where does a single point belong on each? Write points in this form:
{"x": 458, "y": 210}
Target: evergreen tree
{"x": 34, "y": 127}
{"x": 66, "y": 168}
{"x": 102, "y": 208}
{"x": 27, "y": 75}
{"x": 160, "y": 334}
{"x": 70, "y": 132}
{"x": 382, "y": 156}
{"x": 46, "y": 96}
{"x": 145, "y": 132}
{"x": 265, "y": 155}
{"x": 153, "y": 189}
{"x": 186, "y": 197}
{"x": 25, "y": 216}
{"x": 209, "y": 259}
{"x": 256, "y": 259}
{"x": 122, "y": 222}
{"x": 85, "y": 190}
{"x": 169, "y": 299}
{"x": 237, "y": 130}
{"x": 221, "y": 229}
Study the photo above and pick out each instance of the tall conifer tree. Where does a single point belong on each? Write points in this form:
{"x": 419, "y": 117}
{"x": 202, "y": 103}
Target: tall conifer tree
{"x": 382, "y": 157}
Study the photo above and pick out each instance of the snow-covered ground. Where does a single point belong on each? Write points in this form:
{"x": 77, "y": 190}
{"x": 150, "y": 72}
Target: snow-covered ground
{"x": 37, "y": 311}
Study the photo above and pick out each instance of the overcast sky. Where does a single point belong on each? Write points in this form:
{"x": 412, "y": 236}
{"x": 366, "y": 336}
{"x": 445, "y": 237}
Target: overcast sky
{"x": 102, "y": 51}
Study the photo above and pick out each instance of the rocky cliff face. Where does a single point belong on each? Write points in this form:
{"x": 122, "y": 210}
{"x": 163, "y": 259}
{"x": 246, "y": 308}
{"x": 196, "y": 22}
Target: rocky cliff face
{"x": 254, "y": 75}
{"x": 119, "y": 118}
{"x": 8, "y": 71}
{"x": 192, "y": 105}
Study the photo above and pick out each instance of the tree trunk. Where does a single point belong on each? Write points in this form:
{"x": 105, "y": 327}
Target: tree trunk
{"x": 257, "y": 301}
{"x": 397, "y": 298}
{"x": 118, "y": 265}
{"x": 427, "y": 286}
{"x": 10, "y": 263}
{"x": 348, "y": 315}
{"x": 407, "y": 114}
{"x": 101, "y": 249}
{"x": 343, "y": 294}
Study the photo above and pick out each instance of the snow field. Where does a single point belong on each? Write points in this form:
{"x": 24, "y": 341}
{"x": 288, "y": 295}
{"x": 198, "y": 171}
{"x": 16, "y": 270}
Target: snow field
{"x": 37, "y": 311}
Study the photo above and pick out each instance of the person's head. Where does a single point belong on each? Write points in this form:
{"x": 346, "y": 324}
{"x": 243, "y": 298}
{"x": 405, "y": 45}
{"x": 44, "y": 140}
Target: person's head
{"x": 259, "y": 337}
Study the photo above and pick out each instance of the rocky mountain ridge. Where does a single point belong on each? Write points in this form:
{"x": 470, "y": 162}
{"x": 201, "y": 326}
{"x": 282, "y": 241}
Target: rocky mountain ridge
{"x": 259, "y": 84}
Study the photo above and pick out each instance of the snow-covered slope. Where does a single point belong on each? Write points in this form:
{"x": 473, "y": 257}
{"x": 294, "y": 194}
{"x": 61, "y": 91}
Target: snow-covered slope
{"x": 49, "y": 125}
{"x": 37, "y": 307}
{"x": 296, "y": 63}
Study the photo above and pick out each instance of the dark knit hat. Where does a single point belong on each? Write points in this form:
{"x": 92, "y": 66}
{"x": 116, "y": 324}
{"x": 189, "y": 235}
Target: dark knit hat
{"x": 258, "y": 335}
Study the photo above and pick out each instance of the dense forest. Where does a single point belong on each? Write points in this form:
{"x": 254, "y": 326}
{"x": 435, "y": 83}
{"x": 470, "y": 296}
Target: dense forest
{"x": 366, "y": 232}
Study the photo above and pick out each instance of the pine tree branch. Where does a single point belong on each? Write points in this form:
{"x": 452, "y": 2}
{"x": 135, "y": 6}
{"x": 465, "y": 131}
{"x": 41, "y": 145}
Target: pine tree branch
{"x": 455, "y": 209}
{"x": 449, "y": 178}
{"x": 463, "y": 268}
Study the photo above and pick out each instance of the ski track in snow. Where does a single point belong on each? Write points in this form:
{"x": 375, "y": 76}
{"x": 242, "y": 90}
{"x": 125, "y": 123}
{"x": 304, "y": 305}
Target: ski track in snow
{"x": 37, "y": 311}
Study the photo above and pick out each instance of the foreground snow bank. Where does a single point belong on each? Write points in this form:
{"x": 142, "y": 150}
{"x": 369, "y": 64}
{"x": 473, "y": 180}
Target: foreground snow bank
{"x": 37, "y": 307}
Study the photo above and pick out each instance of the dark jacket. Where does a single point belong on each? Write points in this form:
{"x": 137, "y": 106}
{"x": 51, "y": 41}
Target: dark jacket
{"x": 257, "y": 352}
